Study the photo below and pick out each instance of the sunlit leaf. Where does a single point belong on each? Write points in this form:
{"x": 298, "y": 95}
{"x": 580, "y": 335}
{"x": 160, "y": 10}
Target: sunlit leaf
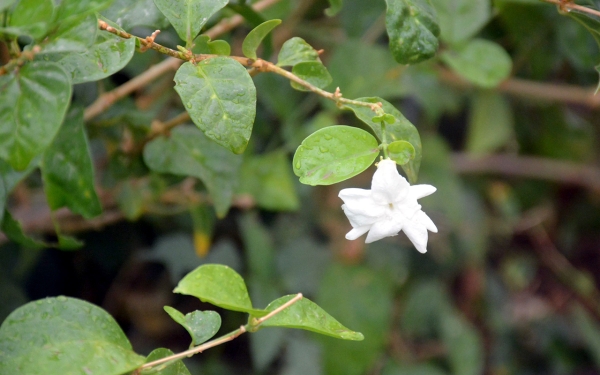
{"x": 256, "y": 36}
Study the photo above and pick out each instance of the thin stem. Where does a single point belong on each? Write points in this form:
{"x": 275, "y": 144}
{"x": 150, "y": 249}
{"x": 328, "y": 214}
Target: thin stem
{"x": 289, "y": 303}
{"x": 384, "y": 143}
{"x": 568, "y": 6}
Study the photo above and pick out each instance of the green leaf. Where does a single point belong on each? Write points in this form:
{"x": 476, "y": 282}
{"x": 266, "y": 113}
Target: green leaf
{"x": 490, "y": 123}
{"x": 221, "y": 99}
{"x": 334, "y": 154}
{"x": 13, "y": 230}
{"x": 219, "y": 47}
{"x": 68, "y": 171}
{"x": 130, "y": 13}
{"x": 334, "y": 7}
{"x": 464, "y": 344}
{"x": 479, "y": 61}
{"x": 400, "y": 130}
{"x": 188, "y": 152}
{"x": 109, "y": 54}
{"x": 305, "y": 314}
{"x": 189, "y": 16}
{"x": 173, "y": 368}
{"x": 256, "y": 36}
{"x": 64, "y": 336}
{"x": 401, "y": 152}
{"x": 31, "y": 17}
{"x": 314, "y": 72}
{"x": 260, "y": 252}
{"x": 6, "y": 3}
{"x": 268, "y": 179}
{"x": 201, "y": 325}
{"x": 295, "y": 51}
{"x": 33, "y": 102}
{"x": 412, "y": 29}
{"x": 588, "y": 330}
{"x": 72, "y": 37}
{"x": 461, "y": 19}
{"x": 73, "y": 11}
{"x": 220, "y": 286}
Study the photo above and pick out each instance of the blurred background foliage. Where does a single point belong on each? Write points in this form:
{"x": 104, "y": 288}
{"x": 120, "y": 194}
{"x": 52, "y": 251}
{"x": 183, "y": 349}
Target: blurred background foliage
{"x": 510, "y": 282}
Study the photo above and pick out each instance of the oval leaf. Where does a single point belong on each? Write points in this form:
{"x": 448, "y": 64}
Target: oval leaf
{"x": 189, "y": 16}
{"x": 481, "y": 62}
{"x": 188, "y": 152}
{"x": 334, "y": 154}
{"x": 64, "y": 336}
{"x": 221, "y": 99}
{"x": 31, "y": 17}
{"x": 314, "y": 72}
{"x": 412, "y": 29}
{"x": 201, "y": 325}
{"x": 256, "y": 36}
{"x": 219, "y": 285}
{"x": 461, "y": 19}
{"x": 295, "y": 51}
{"x": 173, "y": 368}
{"x": 401, "y": 152}
{"x": 400, "y": 130}
{"x": 219, "y": 47}
{"x": 33, "y": 102}
{"x": 305, "y": 314}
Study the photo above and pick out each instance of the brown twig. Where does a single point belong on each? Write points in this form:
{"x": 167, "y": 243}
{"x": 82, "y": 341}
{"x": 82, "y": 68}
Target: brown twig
{"x": 569, "y": 6}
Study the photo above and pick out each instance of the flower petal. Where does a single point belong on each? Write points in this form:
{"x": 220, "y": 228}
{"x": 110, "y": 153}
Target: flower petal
{"x": 359, "y": 219}
{"x": 422, "y": 218}
{"x": 357, "y": 203}
{"x": 382, "y": 229}
{"x": 407, "y": 208}
{"x": 420, "y": 191}
{"x": 357, "y": 232}
{"x": 387, "y": 185}
{"x": 417, "y": 234}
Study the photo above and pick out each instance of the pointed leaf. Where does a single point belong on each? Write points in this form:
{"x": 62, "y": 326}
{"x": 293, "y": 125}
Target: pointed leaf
{"x": 305, "y": 314}
{"x": 189, "y": 16}
{"x": 334, "y": 154}
{"x": 201, "y": 325}
{"x": 295, "y": 51}
{"x": 400, "y": 130}
{"x": 461, "y": 19}
{"x": 221, "y": 99}
{"x": 412, "y": 29}
{"x": 219, "y": 285}
{"x": 173, "y": 368}
{"x": 314, "y": 72}
{"x": 67, "y": 169}
{"x": 64, "y": 336}
{"x": 481, "y": 62}
{"x": 256, "y": 36}
{"x": 188, "y": 152}
{"x": 109, "y": 54}
{"x": 33, "y": 102}
{"x": 31, "y": 17}
{"x": 13, "y": 230}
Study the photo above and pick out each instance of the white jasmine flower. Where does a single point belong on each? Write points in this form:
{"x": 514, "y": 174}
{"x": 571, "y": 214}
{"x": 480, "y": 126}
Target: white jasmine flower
{"x": 389, "y": 207}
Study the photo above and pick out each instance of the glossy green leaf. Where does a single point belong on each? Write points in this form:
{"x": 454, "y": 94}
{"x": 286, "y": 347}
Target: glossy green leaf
{"x": 64, "y": 336}
{"x": 31, "y": 17}
{"x": 313, "y": 72}
{"x": 269, "y": 180}
{"x": 413, "y": 30}
{"x": 68, "y": 171}
{"x": 73, "y": 11}
{"x": 400, "y": 130}
{"x": 108, "y": 55}
{"x": 479, "y": 61}
{"x": 334, "y": 7}
{"x": 130, "y": 13}
{"x": 221, "y": 99}
{"x": 72, "y": 37}
{"x": 189, "y": 16}
{"x": 33, "y": 102}
{"x": 201, "y": 325}
{"x": 220, "y": 286}
{"x": 219, "y": 47}
{"x": 464, "y": 344}
{"x": 173, "y": 368}
{"x": 334, "y": 154}
{"x": 490, "y": 123}
{"x": 256, "y": 36}
{"x": 401, "y": 152}
{"x": 188, "y": 152}
{"x": 305, "y": 314}
{"x": 296, "y": 50}
{"x": 461, "y": 19}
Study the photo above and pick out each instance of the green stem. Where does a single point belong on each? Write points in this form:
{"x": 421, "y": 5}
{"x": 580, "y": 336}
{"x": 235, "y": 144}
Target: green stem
{"x": 384, "y": 144}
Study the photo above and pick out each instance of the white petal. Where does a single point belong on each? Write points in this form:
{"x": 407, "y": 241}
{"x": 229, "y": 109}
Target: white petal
{"x": 407, "y": 208}
{"x": 382, "y": 229}
{"x": 420, "y": 191}
{"x": 422, "y": 218}
{"x": 387, "y": 185}
{"x": 357, "y": 232}
{"x": 353, "y": 193}
{"x": 417, "y": 234}
{"x": 359, "y": 219}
